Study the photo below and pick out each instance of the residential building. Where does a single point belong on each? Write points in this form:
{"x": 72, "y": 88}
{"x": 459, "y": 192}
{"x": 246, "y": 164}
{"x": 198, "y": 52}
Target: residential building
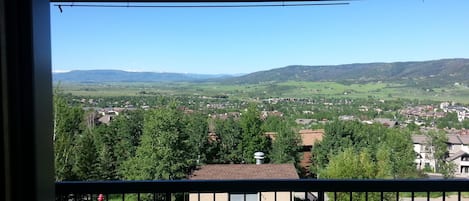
{"x": 347, "y": 118}
{"x": 461, "y": 161}
{"x": 424, "y": 155}
{"x": 457, "y": 149}
{"x": 308, "y": 138}
{"x": 386, "y": 122}
{"x": 304, "y": 121}
{"x": 245, "y": 172}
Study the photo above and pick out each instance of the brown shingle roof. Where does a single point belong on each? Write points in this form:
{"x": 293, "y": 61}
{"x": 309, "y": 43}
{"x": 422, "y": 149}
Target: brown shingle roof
{"x": 457, "y": 155}
{"x": 419, "y": 139}
{"x": 464, "y": 139}
{"x": 245, "y": 171}
{"x": 453, "y": 139}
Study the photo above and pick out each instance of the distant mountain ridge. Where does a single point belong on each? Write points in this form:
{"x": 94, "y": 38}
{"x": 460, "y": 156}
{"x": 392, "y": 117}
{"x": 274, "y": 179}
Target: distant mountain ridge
{"x": 125, "y": 76}
{"x": 422, "y": 73}
{"x": 444, "y": 71}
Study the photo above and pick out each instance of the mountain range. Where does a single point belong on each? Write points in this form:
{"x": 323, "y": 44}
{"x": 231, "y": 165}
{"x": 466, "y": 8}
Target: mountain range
{"x": 445, "y": 71}
{"x": 126, "y": 76}
{"x": 434, "y": 72}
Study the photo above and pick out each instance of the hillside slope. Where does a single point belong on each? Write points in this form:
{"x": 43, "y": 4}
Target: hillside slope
{"x": 125, "y": 76}
{"x": 438, "y": 72}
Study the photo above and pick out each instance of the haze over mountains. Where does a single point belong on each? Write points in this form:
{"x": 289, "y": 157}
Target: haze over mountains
{"x": 435, "y": 72}
{"x": 126, "y": 76}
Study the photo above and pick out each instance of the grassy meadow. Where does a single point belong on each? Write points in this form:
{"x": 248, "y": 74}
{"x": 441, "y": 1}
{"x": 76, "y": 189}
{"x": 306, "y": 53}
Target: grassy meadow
{"x": 265, "y": 90}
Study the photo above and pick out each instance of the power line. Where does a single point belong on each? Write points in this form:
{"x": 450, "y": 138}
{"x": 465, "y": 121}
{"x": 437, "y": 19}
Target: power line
{"x": 198, "y": 6}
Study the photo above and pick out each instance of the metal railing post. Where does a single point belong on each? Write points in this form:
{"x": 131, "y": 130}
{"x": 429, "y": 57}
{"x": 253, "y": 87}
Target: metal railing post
{"x": 321, "y": 196}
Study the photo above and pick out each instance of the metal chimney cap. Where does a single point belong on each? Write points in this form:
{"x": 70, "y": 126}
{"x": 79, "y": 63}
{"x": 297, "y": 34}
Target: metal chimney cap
{"x": 259, "y": 155}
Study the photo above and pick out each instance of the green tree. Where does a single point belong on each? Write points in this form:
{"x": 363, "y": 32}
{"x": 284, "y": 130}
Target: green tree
{"x": 383, "y": 156}
{"x": 87, "y": 163}
{"x": 273, "y": 123}
{"x": 67, "y": 126}
{"x": 107, "y": 153}
{"x": 229, "y": 132}
{"x": 413, "y": 127}
{"x": 338, "y": 136}
{"x": 391, "y": 149}
{"x": 402, "y": 154}
{"x": 202, "y": 148}
{"x": 253, "y": 139}
{"x": 349, "y": 164}
{"x": 439, "y": 148}
{"x": 449, "y": 121}
{"x": 124, "y": 131}
{"x": 286, "y": 146}
{"x": 352, "y": 164}
{"x": 117, "y": 142}
{"x": 164, "y": 149}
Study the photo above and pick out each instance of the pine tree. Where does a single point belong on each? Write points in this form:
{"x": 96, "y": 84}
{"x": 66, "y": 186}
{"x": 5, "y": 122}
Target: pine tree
{"x": 67, "y": 126}
{"x": 108, "y": 164}
{"x": 126, "y": 130}
{"x": 87, "y": 162}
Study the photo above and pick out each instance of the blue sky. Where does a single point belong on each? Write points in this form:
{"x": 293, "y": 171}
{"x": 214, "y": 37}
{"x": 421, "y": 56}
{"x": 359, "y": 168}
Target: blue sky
{"x": 244, "y": 40}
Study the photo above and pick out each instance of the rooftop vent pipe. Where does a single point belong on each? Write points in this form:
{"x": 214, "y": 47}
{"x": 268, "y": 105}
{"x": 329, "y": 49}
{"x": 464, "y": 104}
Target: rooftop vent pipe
{"x": 259, "y": 156}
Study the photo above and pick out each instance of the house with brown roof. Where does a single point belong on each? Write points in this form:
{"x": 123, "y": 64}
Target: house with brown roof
{"x": 308, "y": 138}
{"x": 245, "y": 172}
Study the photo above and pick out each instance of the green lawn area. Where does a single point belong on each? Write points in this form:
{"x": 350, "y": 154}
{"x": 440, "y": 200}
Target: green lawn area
{"x": 265, "y": 90}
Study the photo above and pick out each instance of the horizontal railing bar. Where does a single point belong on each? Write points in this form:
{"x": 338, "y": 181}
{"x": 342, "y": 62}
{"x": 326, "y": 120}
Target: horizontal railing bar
{"x": 300, "y": 185}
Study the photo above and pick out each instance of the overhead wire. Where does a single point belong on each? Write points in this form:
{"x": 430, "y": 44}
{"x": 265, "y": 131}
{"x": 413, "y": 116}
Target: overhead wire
{"x": 199, "y": 6}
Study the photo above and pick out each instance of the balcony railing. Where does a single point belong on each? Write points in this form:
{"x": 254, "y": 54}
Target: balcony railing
{"x": 266, "y": 190}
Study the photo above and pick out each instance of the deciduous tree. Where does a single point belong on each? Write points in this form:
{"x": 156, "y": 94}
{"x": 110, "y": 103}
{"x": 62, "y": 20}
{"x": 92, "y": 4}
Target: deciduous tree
{"x": 253, "y": 139}
{"x": 163, "y": 152}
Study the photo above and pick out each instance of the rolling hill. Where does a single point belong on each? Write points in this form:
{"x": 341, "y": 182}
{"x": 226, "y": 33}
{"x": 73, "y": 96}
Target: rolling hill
{"x": 125, "y": 76}
{"x": 413, "y": 74}
{"x": 436, "y": 72}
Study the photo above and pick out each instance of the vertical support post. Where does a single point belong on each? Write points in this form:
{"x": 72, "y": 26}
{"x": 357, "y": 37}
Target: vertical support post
{"x": 167, "y": 196}
{"x": 321, "y": 195}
